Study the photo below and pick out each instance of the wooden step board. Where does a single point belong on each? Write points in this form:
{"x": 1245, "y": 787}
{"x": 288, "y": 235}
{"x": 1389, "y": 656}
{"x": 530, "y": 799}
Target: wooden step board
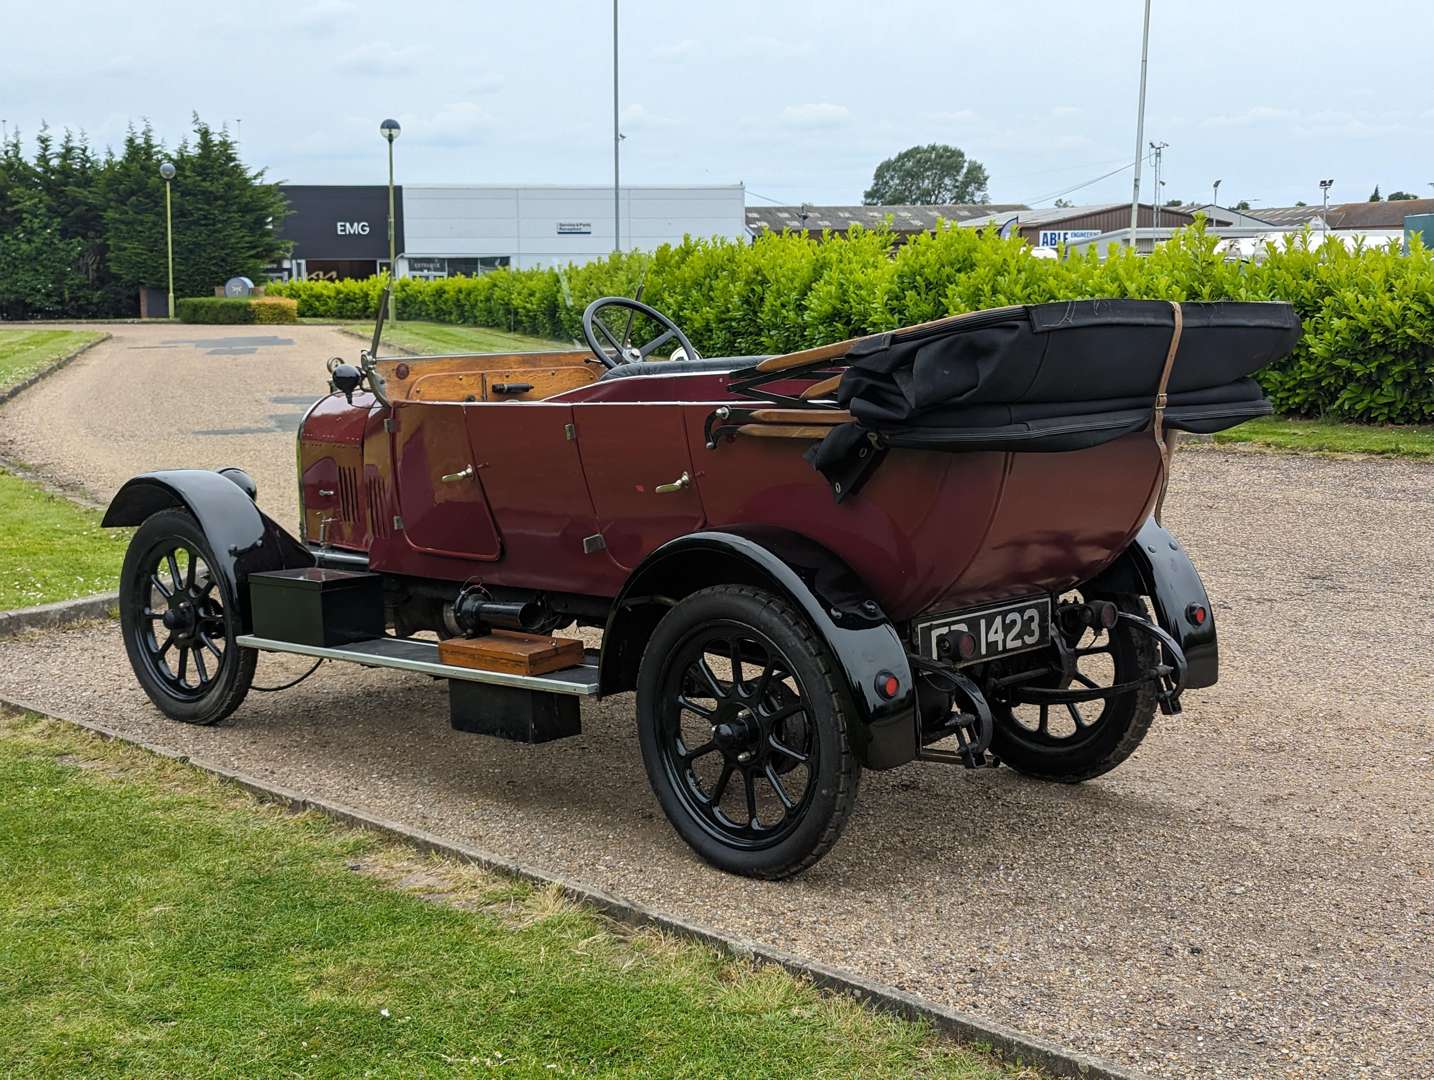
{"x": 512, "y": 652}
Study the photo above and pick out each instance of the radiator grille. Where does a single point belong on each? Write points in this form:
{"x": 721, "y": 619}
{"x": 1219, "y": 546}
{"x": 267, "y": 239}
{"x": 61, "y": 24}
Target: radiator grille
{"x": 348, "y": 494}
{"x": 379, "y": 521}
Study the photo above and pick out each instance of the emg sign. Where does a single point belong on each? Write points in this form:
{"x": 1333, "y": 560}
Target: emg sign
{"x": 352, "y": 228}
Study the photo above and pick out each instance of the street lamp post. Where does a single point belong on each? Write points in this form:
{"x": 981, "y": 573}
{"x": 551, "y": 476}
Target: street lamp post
{"x": 1324, "y": 186}
{"x": 1215, "y": 195}
{"x": 166, "y": 170}
{"x": 390, "y": 130}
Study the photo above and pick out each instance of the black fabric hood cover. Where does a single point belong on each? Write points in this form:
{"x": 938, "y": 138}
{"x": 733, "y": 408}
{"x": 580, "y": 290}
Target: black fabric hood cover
{"x": 1049, "y": 378}
{"x": 1071, "y": 352}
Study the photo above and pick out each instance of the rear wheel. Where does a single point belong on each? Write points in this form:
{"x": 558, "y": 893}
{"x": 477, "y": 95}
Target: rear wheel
{"x": 1074, "y": 742}
{"x": 180, "y": 620}
{"x": 744, "y": 732}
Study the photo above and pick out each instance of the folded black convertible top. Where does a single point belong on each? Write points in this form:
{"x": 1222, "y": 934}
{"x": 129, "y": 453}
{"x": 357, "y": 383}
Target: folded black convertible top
{"x": 1052, "y": 377}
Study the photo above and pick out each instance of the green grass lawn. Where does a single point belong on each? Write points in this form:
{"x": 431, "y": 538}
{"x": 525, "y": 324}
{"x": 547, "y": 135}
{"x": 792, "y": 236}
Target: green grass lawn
{"x": 1329, "y": 436}
{"x": 52, "y": 548}
{"x": 26, "y": 352}
{"x": 431, "y": 337}
{"x": 155, "y": 922}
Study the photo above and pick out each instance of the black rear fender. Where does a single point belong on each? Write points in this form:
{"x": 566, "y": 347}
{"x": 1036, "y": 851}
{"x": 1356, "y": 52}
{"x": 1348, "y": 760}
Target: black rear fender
{"x": 243, "y": 538}
{"x": 817, "y": 583}
{"x": 1156, "y": 565}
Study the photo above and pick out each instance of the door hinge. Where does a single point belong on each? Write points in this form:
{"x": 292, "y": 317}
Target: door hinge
{"x": 388, "y": 424}
{"x": 593, "y": 544}
{"x": 397, "y": 523}
{"x": 569, "y": 432}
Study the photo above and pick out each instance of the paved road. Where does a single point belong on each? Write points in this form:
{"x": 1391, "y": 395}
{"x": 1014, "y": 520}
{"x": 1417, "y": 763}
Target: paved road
{"x": 1251, "y": 895}
{"x": 163, "y": 396}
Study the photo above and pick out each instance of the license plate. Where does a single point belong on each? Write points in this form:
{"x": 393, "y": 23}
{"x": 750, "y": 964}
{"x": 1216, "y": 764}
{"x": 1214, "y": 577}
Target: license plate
{"x": 999, "y": 631}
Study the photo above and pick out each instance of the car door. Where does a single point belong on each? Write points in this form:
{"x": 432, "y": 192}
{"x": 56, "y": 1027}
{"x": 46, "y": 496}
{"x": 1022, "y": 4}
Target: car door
{"x": 440, "y": 492}
{"x": 639, "y": 472}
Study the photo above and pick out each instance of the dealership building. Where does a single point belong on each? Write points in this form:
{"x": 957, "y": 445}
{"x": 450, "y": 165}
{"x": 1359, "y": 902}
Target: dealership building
{"x": 341, "y": 231}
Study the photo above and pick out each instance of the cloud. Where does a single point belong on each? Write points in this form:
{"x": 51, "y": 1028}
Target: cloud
{"x": 1065, "y": 110}
{"x": 1256, "y": 114}
{"x": 638, "y": 117}
{"x": 374, "y": 58}
{"x": 954, "y": 116}
{"x": 457, "y": 123}
{"x": 319, "y": 16}
{"x": 819, "y": 114}
{"x": 762, "y": 47}
{"x": 676, "y": 50}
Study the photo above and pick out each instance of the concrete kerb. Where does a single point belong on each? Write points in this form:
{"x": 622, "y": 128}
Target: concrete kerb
{"x": 1007, "y": 1043}
{"x": 45, "y": 373}
{"x": 61, "y": 613}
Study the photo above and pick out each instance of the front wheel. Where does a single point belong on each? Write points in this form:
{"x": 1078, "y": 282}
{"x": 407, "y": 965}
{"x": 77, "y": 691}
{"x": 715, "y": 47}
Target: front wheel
{"x": 180, "y": 620}
{"x": 744, "y": 727}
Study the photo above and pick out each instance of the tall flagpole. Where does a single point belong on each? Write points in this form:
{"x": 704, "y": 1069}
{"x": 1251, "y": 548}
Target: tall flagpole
{"x": 616, "y": 144}
{"x": 1140, "y": 128}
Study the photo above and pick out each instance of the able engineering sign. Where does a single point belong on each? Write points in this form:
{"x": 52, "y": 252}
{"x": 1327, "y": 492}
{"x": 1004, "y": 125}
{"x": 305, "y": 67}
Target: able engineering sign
{"x": 1056, "y": 237}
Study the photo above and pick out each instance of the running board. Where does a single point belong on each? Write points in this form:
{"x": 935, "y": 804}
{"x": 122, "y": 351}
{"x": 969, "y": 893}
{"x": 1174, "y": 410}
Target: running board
{"x": 407, "y": 654}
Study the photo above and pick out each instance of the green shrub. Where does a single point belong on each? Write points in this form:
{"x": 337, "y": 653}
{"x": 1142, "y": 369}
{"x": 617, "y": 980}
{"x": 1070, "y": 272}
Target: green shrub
{"x": 273, "y": 310}
{"x": 213, "y": 309}
{"x": 1367, "y": 352}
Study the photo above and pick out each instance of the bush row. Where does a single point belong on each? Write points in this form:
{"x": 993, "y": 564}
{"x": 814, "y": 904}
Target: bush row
{"x": 267, "y": 310}
{"x": 1367, "y": 351}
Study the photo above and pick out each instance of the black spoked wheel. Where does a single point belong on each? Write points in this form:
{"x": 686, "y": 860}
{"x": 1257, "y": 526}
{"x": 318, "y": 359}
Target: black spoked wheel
{"x": 744, "y": 733}
{"x": 1076, "y": 741}
{"x": 179, "y": 622}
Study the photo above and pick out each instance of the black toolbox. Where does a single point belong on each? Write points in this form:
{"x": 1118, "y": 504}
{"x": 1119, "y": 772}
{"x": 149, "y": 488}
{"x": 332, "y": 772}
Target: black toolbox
{"x": 313, "y": 606}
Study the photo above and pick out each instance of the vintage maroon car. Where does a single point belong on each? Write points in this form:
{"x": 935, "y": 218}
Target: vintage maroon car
{"x": 939, "y": 543}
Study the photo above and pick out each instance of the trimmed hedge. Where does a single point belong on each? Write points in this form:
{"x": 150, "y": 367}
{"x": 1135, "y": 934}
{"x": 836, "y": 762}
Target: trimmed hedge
{"x": 232, "y": 310}
{"x": 1367, "y": 352}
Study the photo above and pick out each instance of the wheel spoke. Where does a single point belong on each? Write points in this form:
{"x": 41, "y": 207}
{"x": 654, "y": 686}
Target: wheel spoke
{"x": 151, "y": 614}
{"x": 162, "y": 649}
{"x": 189, "y": 569}
{"x": 183, "y": 663}
{"x": 1086, "y": 681}
{"x": 209, "y": 644}
{"x": 751, "y": 798}
{"x": 1045, "y": 724}
{"x": 739, "y": 686}
{"x": 1093, "y": 650}
{"x": 702, "y": 751}
{"x": 164, "y": 592}
{"x": 691, "y": 706}
{"x": 776, "y": 783}
{"x": 1075, "y": 714}
{"x": 199, "y": 664}
{"x": 174, "y": 574}
{"x": 785, "y": 711}
{"x": 710, "y": 677}
{"x": 782, "y": 748}
{"x": 721, "y": 788}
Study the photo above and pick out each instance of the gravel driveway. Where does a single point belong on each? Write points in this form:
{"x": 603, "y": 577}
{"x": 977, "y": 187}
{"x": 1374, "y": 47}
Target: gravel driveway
{"x": 1251, "y": 895}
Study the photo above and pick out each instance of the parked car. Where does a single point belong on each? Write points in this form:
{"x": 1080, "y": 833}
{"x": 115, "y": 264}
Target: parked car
{"x": 938, "y": 543}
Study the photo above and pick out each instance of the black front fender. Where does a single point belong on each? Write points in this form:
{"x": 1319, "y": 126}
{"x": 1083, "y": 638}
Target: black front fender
{"x": 822, "y": 587}
{"x": 1156, "y": 565}
{"x": 244, "y": 539}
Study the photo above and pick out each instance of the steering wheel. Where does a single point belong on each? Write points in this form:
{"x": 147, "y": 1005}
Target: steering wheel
{"x": 613, "y": 349}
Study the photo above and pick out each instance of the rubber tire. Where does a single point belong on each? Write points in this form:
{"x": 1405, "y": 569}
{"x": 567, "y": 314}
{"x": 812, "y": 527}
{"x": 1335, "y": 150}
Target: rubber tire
{"x": 237, "y": 671}
{"x": 839, "y": 773}
{"x": 1129, "y": 718}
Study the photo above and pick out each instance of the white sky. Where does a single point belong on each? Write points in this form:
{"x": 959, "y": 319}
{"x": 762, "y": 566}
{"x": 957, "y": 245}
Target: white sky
{"x": 798, "y": 99}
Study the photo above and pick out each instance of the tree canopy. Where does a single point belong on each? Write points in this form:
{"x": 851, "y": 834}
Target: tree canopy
{"x": 80, "y": 234}
{"x": 925, "y": 175}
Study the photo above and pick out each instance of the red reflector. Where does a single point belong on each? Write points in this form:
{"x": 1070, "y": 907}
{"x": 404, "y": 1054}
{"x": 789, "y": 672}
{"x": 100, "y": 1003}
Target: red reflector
{"x": 887, "y": 684}
{"x": 965, "y": 645}
{"x": 1198, "y": 614}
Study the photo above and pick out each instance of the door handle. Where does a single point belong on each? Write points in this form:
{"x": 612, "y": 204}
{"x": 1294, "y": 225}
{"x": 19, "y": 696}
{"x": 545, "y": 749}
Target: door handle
{"x": 683, "y": 481}
{"x": 462, "y": 474}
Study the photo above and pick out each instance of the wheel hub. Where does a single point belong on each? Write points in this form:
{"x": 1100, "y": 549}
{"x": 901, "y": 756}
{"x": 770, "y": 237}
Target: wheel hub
{"x": 181, "y": 617}
{"x": 737, "y": 732}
